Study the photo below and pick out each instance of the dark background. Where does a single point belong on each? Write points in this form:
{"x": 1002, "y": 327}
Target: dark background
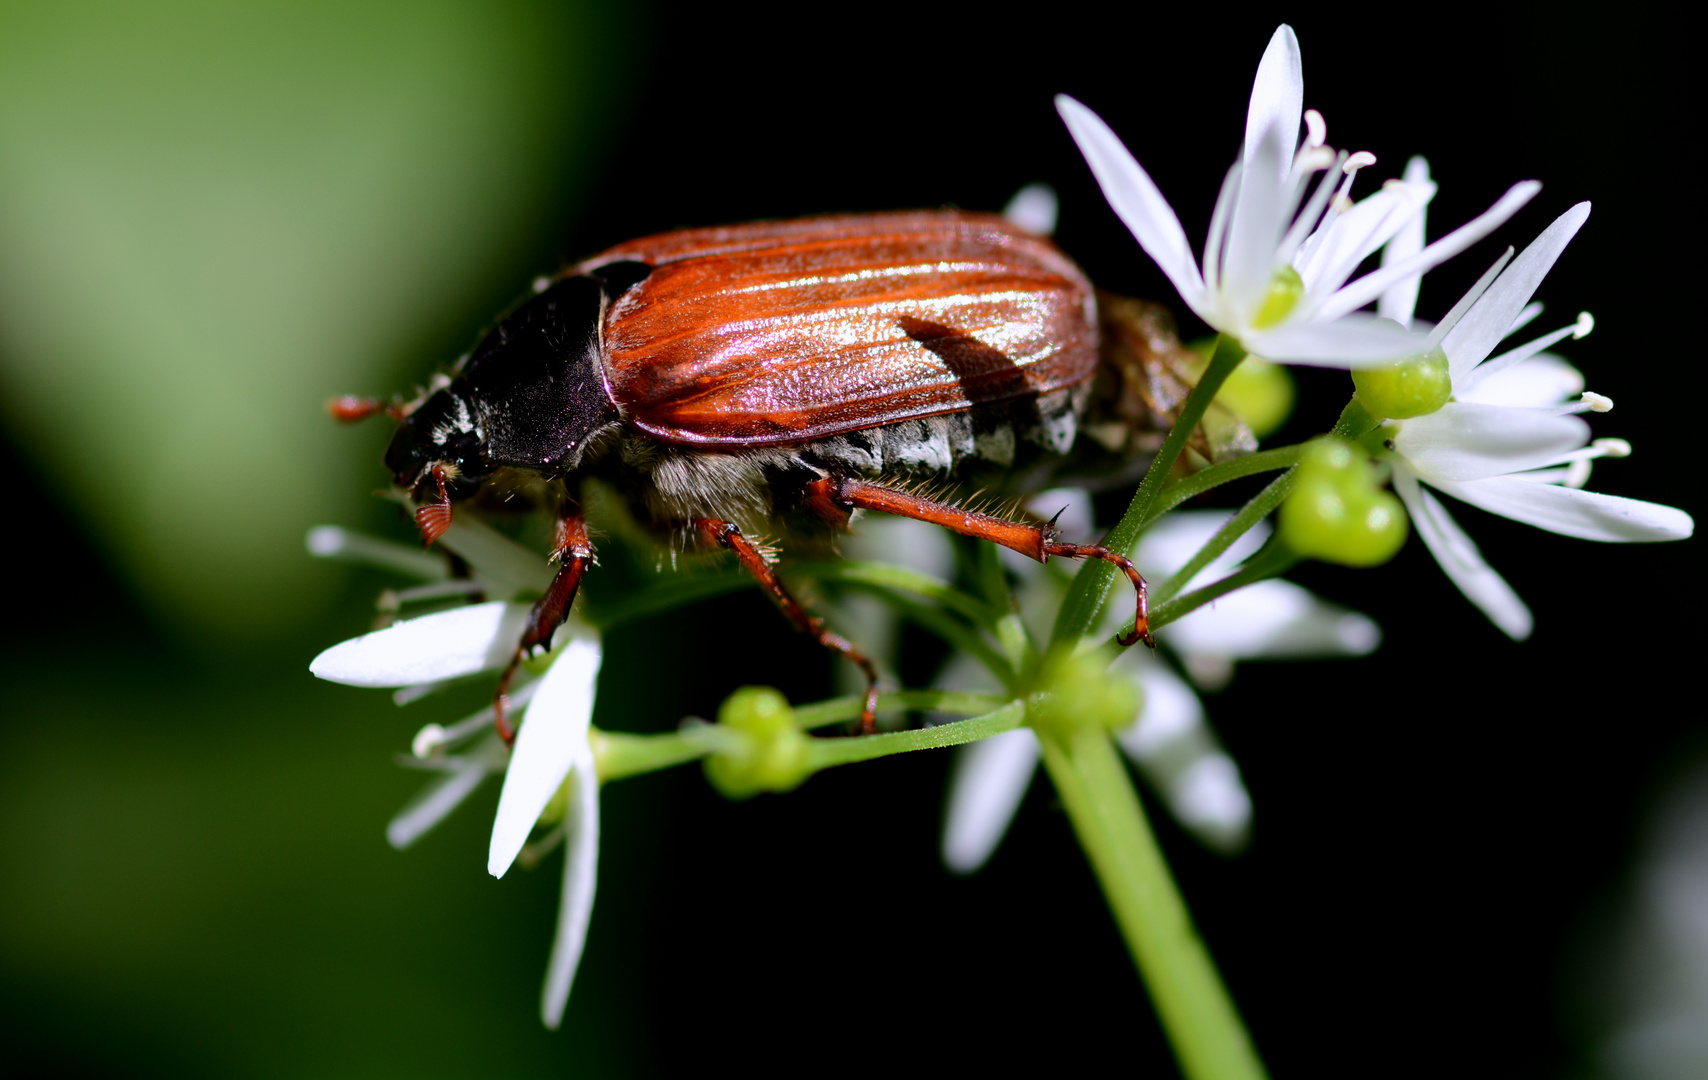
{"x": 194, "y": 877}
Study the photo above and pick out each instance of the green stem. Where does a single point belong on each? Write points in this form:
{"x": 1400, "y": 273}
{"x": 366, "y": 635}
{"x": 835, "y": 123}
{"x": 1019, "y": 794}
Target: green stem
{"x": 1091, "y": 585}
{"x": 1202, "y": 1024}
{"x": 1354, "y": 423}
{"x": 823, "y": 753}
{"x": 620, "y": 754}
{"x": 1261, "y": 506}
{"x": 843, "y": 709}
{"x": 1173, "y": 495}
{"x": 1273, "y": 561}
{"x": 882, "y": 577}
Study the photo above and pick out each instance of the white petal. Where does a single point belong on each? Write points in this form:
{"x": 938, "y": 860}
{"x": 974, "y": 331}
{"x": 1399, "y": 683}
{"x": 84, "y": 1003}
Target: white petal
{"x": 1538, "y": 382}
{"x": 1355, "y": 235}
{"x": 1254, "y": 231}
{"x": 444, "y": 645}
{"x": 1209, "y": 797}
{"x": 1353, "y": 341}
{"x": 989, "y": 780}
{"x": 1462, "y": 561}
{"x": 333, "y": 542}
{"x": 580, "y": 877}
{"x": 552, "y": 738}
{"x": 1370, "y": 286}
{"x": 434, "y": 804}
{"x": 1399, "y": 302}
{"x": 1462, "y": 441}
{"x": 1274, "y": 620}
{"x": 1277, "y": 102}
{"x": 1135, "y": 198}
{"x": 1490, "y": 319}
{"x": 1171, "y": 712}
{"x": 1574, "y": 512}
{"x": 496, "y": 558}
{"x": 1033, "y": 208}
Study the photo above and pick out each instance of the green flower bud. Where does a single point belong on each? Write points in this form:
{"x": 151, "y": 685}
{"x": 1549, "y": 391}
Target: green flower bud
{"x": 1415, "y": 386}
{"x": 1285, "y": 289}
{"x": 1336, "y": 513}
{"x": 1077, "y": 692}
{"x": 1260, "y": 393}
{"x": 771, "y": 754}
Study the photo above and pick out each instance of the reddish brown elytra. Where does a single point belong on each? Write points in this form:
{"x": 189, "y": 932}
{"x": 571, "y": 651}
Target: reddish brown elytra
{"x": 778, "y": 377}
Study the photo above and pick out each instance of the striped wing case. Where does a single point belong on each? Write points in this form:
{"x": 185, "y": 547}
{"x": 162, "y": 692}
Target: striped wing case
{"x": 779, "y": 332}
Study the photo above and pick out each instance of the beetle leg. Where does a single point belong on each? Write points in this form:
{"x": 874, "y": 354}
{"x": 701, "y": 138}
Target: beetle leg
{"x": 726, "y": 534}
{"x": 574, "y": 553}
{"x": 433, "y": 518}
{"x": 349, "y": 408}
{"x": 1033, "y": 541}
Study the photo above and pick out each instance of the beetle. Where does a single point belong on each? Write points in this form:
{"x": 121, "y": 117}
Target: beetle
{"x": 786, "y": 375}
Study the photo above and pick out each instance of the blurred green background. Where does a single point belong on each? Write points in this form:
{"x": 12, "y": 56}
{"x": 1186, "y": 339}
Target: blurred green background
{"x": 215, "y": 217}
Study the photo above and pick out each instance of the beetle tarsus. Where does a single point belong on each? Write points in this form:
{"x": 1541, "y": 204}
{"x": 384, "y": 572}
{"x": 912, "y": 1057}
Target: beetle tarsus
{"x": 433, "y": 518}
{"x": 574, "y": 553}
{"x": 728, "y": 535}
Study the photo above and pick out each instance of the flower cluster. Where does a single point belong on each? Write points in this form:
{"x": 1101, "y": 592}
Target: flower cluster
{"x": 1435, "y": 407}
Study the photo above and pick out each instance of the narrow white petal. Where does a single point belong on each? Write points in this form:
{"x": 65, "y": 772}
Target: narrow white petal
{"x": 1352, "y": 342}
{"x": 1490, "y": 319}
{"x": 496, "y": 558}
{"x": 1254, "y": 231}
{"x": 989, "y": 781}
{"x": 444, "y": 645}
{"x": 1216, "y": 240}
{"x": 552, "y": 738}
{"x": 1135, "y": 198}
{"x": 1277, "y": 102}
{"x": 1538, "y": 382}
{"x": 1465, "y": 387}
{"x": 334, "y": 542}
{"x": 1399, "y": 301}
{"x": 1356, "y": 235}
{"x": 1574, "y": 512}
{"x": 1371, "y": 286}
{"x": 1171, "y": 712}
{"x": 1461, "y": 441}
{"x": 1274, "y": 620}
{"x": 580, "y": 878}
{"x": 1461, "y": 560}
{"x": 1208, "y": 796}
{"x": 1033, "y": 208}
{"x": 434, "y": 804}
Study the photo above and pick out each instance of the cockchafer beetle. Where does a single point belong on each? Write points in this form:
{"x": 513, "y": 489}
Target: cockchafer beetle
{"x": 784, "y": 375}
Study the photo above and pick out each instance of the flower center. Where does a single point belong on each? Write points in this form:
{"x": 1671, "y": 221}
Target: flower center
{"x": 1414, "y": 386}
{"x": 1285, "y": 289}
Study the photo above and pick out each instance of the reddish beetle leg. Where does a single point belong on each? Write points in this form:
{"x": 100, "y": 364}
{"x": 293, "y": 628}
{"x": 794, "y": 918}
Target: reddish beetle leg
{"x": 1033, "y": 541}
{"x": 573, "y": 553}
{"x": 726, "y": 534}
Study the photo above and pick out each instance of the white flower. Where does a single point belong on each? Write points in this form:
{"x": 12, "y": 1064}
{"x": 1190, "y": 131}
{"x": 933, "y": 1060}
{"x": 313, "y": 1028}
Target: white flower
{"x": 1508, "y": 441}
{"x": 1259, "y": 236}
{"x": 1170, "y": 741}
{"x": 551, "y": 748}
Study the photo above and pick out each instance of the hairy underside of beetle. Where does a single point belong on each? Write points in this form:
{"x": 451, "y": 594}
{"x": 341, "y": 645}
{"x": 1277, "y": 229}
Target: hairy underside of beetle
{"x": 1100, "y": 433}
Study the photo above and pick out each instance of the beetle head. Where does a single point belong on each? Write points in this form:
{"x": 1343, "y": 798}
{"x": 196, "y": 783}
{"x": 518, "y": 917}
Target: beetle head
{"x": 443, "y": 431}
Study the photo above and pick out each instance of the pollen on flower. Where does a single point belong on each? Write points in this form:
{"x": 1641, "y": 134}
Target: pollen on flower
{"x": 427, "y": 740}
{"x": 1586, "y": 323}
{"x": 1597, "y": 402}
{"x": 1362, "y": 159}
{"x": 1612, "y": 447}
{"x": 1316, "y": 128}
